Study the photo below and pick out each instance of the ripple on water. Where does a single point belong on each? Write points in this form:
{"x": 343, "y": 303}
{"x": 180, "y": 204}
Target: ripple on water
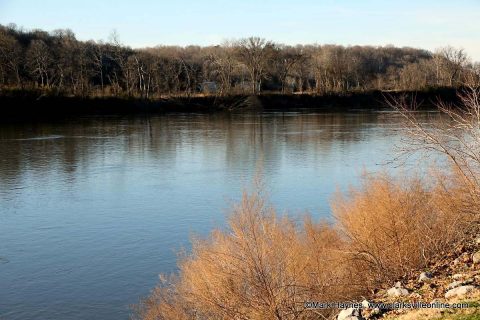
{"x": 52, "y": 137}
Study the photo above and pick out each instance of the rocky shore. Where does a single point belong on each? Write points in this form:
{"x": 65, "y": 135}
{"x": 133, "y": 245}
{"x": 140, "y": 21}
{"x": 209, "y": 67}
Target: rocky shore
{"x": 448, "y": 288}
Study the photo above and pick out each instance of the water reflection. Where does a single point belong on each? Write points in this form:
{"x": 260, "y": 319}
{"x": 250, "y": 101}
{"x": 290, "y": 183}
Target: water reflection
{"x": 235, "y": 139}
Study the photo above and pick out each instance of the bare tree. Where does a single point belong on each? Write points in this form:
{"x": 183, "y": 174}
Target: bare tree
{"x": 96, "y": 52}
{"x": 223, "y": 65}
{"x": 120, "y": 55}
{"x": 452, "y": 62}
{"x": 72, "y": 66}
{"x": 255, "y": 53}
{"x": 455, "y": 134}
{"x": 144, "y": 66}
{"x": 10, "y": 55}
{"x": 39, "y": 60}
{"x": 285, "y": 60}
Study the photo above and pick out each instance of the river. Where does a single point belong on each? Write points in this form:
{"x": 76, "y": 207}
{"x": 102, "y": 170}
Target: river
{"x": 93, "y": 209}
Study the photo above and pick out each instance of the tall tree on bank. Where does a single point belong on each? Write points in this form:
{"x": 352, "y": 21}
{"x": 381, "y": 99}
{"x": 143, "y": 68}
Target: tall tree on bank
{"x": 256, "y": 53}
{"x": 10, "y": 57}
{"x": 39, "y": 62}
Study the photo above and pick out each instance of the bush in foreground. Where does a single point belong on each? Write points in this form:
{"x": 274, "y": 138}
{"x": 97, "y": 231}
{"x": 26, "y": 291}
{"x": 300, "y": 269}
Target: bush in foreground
{"x": 265, "y": 266}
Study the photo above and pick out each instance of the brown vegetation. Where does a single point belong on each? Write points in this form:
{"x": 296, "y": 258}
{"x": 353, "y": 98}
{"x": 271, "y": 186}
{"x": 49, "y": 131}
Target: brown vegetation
{"x": 263, "y": 267}
{"x": 266, "y": 266}
{"x": 397, "y": 226}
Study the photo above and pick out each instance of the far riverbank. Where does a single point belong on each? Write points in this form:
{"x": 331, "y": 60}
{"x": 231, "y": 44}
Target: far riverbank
{"x": 22, "y": 104}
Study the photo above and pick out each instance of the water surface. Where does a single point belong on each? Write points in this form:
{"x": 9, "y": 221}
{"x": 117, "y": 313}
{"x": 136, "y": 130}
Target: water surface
{"x": 93, "y": 209}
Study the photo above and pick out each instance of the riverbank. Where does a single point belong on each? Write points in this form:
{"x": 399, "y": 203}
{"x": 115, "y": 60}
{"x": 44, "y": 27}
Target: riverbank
{"x": 18, "y": 104}
{"x": 452, "y": 278}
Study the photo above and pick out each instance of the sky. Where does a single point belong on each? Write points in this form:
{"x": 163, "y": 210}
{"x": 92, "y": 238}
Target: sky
{"x": 424, "y": 24}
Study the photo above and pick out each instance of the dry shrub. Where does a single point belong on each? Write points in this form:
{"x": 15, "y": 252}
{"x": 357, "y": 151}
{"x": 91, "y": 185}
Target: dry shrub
{"x": 263, "y": 267}
{"x": 266, "y": 266}
{"x": 455, "y": 193}
{"x": 165, "y": 302}
{"x": 396, "y": 226}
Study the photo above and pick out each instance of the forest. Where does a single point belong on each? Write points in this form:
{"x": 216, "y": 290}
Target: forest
{"x": 57, "y": 63}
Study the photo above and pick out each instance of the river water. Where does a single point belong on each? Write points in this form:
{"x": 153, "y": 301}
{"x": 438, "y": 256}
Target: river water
{"x": 93, "y": 209}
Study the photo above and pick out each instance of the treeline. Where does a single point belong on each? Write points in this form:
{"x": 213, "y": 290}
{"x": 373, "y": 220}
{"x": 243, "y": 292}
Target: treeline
{"x": 58, "y": 63}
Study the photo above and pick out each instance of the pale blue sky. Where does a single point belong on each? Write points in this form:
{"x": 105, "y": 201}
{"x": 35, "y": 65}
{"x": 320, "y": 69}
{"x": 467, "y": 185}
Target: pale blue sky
{"x": 421, "y": 23}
